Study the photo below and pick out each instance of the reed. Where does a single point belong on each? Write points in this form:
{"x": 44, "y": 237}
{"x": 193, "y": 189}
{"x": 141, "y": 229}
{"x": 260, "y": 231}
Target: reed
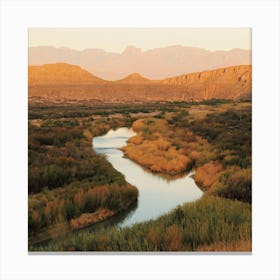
{"x": 205, "y": 223}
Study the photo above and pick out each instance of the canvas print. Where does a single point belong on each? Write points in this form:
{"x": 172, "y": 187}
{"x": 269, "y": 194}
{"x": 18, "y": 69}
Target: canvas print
{"x": 139, "y": 140}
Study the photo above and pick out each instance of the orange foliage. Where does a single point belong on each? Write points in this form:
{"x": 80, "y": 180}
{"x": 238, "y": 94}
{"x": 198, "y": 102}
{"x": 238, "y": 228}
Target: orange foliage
{"x": 194, "y": 155}
{"x": 78, "y": 198}
{"x": 137, "y": 139}
{"x": 154, "y": 237}
{"x": 173, "y": 238}
{"x": 138, "y": 125}
{"x": 208, "y": 175}
{"x": 36, "y": 216}
{"x": 100, "y": 192}
{"x": 158, "y": 155}
{"x": 229, "y": 246}
{"x": 91, "y": 218}
{"x": 88, "y": 134}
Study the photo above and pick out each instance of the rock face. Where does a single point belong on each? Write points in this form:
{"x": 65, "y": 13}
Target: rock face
{"x": 229, "y": 83}
{"x": 63, "y": 81}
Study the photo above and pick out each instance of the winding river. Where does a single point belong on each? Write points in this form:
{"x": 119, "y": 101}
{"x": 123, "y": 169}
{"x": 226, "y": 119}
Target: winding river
{"x": 157, "y": 194}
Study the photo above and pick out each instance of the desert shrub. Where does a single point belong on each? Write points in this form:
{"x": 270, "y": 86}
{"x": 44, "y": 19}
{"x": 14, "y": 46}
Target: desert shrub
{"x": 158, "y": 156}
{"x": 179, "y": 118}
{"x": 230, "y": 130}
{"x": 207, "y": 176}
{"x": 236, "y": 183}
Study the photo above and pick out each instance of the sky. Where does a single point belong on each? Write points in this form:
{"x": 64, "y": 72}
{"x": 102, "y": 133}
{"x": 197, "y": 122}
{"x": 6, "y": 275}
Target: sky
{"x": 117, "y": 39}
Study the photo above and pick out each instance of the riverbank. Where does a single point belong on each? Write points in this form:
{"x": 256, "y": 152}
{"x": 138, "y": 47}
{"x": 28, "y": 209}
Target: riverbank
{"x": 83, "y": 207}
{"x": 66, "y": 178}
{"x": 157, "y": 194}
{"x": 212, "y": 223}
{"x": 153, "y": 147}
{"x": 216, "y": 145}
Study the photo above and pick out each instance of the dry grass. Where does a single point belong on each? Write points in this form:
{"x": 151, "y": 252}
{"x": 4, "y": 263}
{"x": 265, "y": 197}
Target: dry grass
{"x": 166, "y": 149}
{"x": 91, "y": 218}
{"x": 209, "y": 224}
{"x": 207, "y": 176}
{"x": 174, "y": 238}
{"x": 231, "y": 246}
{"x": 157, "y": 155}
{"x": 163, "y": 149}
{"x": 136, "y": 140}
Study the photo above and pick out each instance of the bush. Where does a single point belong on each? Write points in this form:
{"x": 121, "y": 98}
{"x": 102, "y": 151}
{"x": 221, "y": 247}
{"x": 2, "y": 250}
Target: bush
{"x": 236, "y": 183}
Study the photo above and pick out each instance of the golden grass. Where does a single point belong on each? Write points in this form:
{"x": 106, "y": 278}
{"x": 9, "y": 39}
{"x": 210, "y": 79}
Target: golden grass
{"x": 208, "y": 224}
{"x": 208, "y": 175}
{"x": 157, "y": 155}
{"x": 165, "y": 149}
{"x": 230, "y": 246}
{"x": 137, "y": 139}
{"x": 91, "y": 218}
{"x": 162, "y": 149}
{"x": 173, "y": 238}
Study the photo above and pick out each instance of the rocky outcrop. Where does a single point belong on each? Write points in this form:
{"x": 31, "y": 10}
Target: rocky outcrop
{"x": 229, "y": 83}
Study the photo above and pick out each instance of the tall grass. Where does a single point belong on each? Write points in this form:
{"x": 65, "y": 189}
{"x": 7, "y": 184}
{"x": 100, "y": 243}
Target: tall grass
{"x": 57, "y": 206}
{"x": 210, "y": 220}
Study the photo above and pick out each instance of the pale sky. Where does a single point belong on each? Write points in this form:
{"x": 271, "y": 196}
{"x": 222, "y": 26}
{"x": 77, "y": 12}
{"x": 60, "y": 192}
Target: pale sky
{"x": 117, "y": 39}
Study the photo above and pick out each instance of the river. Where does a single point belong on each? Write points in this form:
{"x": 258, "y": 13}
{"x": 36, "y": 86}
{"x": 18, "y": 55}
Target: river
{"x": 157, "y": 194}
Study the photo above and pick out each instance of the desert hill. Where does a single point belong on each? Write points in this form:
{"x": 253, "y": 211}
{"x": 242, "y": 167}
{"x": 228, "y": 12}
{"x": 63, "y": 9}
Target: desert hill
{"x": 62, "y": 82}
{"x": 230, "y": 83}
{"x": 134, "y": 78}
{"x": 60, "y": 73}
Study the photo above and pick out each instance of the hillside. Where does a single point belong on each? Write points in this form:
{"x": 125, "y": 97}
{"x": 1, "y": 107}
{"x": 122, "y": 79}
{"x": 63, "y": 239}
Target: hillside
{"x": 63, "y": 81}
{"x": 60, "y": 73}
{"x": 229, "y": 83}
{"x": 134, "y": 78}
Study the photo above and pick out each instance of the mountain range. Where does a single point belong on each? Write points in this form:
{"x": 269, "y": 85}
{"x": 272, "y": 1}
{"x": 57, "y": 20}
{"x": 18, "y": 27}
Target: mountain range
{"x": 158, "y": 63}
{"x": 63, "y": 81}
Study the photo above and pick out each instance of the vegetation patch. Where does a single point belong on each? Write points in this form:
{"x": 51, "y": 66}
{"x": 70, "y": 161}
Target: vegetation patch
{"x": 216, "y": 143}
{"x": 70, "y": 186}
{"x": 66, "y": 178}
{"x": 214, "y": 223}
{"x": 91, "y": 218}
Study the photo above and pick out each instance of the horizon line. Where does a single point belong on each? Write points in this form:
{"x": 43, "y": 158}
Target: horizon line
{"x": 135, "y": 47}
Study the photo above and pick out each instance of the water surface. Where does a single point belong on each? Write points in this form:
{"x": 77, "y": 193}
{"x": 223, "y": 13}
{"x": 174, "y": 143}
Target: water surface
{"x": 157, "y": 194}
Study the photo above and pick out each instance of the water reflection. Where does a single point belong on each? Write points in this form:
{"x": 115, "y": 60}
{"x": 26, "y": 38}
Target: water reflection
{"x": 157, "y": 194}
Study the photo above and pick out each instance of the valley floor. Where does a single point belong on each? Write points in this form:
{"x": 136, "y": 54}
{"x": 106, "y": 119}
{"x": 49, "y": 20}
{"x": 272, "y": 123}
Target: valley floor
{"x": 213, "y": 138}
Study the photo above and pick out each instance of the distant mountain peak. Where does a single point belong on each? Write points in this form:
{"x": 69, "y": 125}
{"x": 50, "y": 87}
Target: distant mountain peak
{"x": 131, "y": 50}
{"x": 155, "y": 64}
{"x": 134, "y": 78}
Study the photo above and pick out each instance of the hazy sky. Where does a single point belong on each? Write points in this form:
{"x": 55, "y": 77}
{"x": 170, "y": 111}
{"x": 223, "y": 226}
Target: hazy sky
{"x": 117, "y": 39}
